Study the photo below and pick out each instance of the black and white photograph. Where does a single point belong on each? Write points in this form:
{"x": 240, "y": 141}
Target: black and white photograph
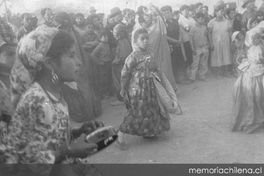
{"x": 87, "y": 83}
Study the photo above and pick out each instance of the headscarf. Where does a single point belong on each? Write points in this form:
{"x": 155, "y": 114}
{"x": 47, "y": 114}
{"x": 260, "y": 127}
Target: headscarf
{"x": 31, "y": 53}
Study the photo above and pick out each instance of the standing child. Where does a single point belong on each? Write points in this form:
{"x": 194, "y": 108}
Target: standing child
{"x": 199, "y": 44}
{"x": 90, "y": 39}
{"x": 101, "y": 57}
{"x": 122, "y": 52}
{"x": 238, "y": 50}
{"x": 146, "y": 114}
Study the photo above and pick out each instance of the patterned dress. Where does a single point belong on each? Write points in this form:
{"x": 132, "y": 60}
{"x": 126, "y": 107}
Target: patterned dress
{"x": 38, "y": 127}
{"x": 144, "y": 116}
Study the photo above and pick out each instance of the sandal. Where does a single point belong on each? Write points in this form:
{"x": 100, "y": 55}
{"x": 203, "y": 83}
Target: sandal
{"x": 121, "y": 145}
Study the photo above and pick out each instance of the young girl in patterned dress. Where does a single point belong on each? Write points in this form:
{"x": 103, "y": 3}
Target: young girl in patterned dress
{"x": 145, "y": 117}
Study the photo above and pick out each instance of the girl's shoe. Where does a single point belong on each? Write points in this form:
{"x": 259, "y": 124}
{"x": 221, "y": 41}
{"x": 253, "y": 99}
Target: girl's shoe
{"x": 121, "y": 145}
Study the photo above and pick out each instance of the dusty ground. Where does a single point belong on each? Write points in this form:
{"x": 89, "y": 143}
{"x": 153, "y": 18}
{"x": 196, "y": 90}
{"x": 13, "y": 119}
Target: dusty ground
{"x": 201, "y": 135}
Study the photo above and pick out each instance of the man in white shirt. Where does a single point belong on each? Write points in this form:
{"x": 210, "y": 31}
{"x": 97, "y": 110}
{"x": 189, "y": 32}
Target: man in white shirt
{"x": 186, "y": 24}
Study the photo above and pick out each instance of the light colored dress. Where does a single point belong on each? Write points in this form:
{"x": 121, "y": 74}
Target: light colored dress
{"x": 248, "y": 110}
{"x": 221, "y": 54}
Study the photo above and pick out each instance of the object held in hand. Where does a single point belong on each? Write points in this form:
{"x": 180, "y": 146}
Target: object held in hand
{"x": 103, "y": 137}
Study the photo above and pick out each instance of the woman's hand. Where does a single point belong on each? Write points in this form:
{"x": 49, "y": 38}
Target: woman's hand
{"x": 89, "y": 127}
{"x": 86, "y": 128}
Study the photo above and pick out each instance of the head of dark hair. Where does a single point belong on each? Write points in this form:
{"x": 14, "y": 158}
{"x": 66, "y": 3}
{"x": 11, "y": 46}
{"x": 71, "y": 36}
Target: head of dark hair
{"x": 229, "y": 10}
{"x": 43, "y": 11}
{"x": 140, "y": 10}
{"x": 63, "y": 19}
{"x": 61, "y": 43}
{"x": 138, "y": 32}
{"x": 88, "y": 22}
{"x": 166, "y": 8}
{"x": 92, "y": 17}
{"x": 183, "y": 7}
{"x": 199, "y": 15}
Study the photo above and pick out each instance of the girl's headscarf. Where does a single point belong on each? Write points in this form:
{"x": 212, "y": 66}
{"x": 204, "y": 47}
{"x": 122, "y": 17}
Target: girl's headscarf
{"x": 31, "y": 53}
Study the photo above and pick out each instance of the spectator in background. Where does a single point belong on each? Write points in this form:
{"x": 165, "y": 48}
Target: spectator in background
{"x": 200, "y": 45}
{"x": 123, "y": 50}
{"x": 237, "y": 26}
{"x": 97, "y": 23}
{"x": 102, "y": 18}
{"x": 34, "y": 22}
{"x": 230, "y": 14}
{"x": 92, "y": 10}
{"x": 140, "y": 21}
{"x": 79, "y": 24}
{"x": 6, "y": 32}
{"x": 191, "y": 14}
{"x": 186, "y": 25}
{"x": 260, "y": 16}
{"x": 199, "y": 7}
{"x": 207, "y": 16}
{"x": 47, "y": 15}
{"x": 248, "y": 13}
{"x": 26, "y": 26}
{"x": 176, "y": 15}
{"x": 115, "y": 17}
{"x": 174, "y": 40}
{"x": 129, "y": 21}
{"x": 219, "y": 36}
{"x": 101, "y": 57}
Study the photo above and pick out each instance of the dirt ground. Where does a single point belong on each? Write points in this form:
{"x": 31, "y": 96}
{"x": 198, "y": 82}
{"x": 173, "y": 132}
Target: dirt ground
{"x": 201, "y": 135}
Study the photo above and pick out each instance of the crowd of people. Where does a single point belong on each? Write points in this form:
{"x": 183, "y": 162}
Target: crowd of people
{"x": 60, "y": 71}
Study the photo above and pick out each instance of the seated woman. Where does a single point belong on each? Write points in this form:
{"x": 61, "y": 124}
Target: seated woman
{"x": 39, "y": 130}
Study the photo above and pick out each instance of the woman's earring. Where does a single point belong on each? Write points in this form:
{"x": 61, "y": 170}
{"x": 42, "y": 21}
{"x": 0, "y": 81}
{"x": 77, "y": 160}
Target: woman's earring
{"x": 55, "y": 77}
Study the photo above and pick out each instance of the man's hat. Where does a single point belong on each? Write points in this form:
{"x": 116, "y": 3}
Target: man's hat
{"x": 114, "y": 12}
